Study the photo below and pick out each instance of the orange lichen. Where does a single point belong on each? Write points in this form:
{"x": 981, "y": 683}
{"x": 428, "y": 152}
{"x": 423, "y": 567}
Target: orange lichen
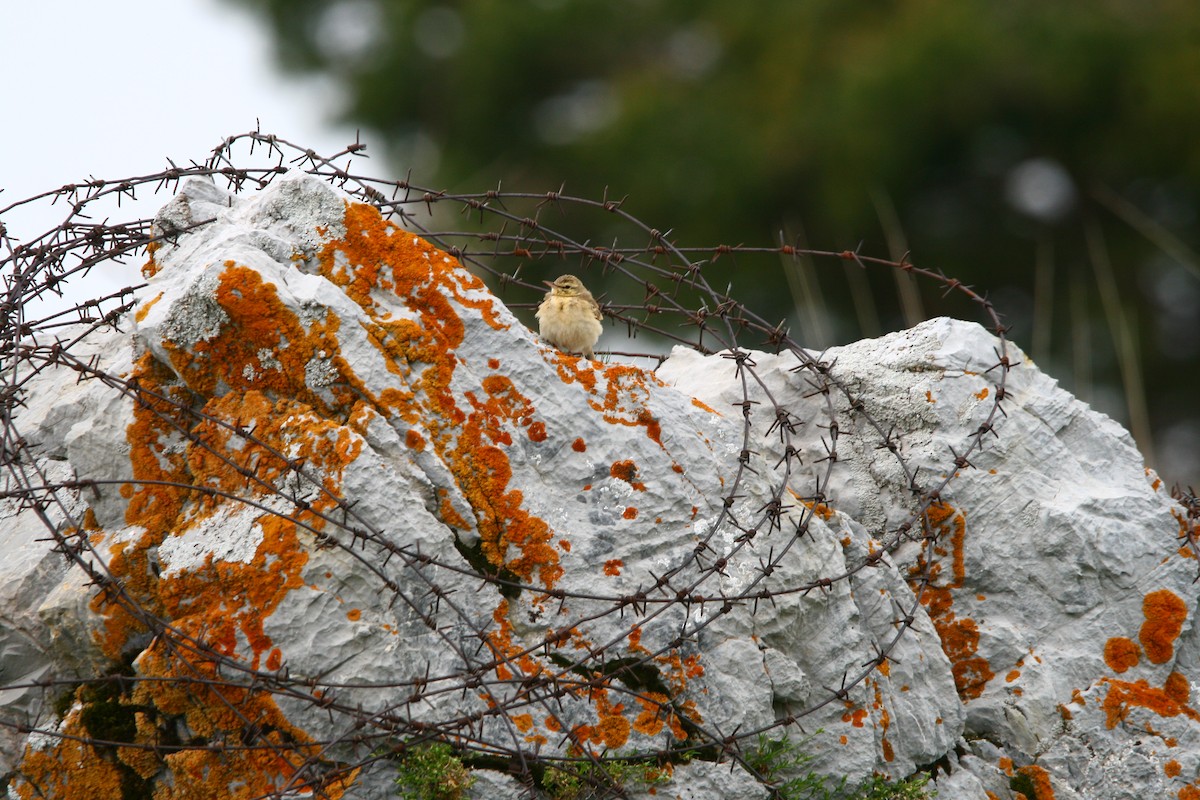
{"x": 613, "y": 566}
{"x": 822, "y": 510}
{"x": 959, "y": 635}
{"x": 1124, "y": 696}
{"x": 1172, "y": 768}
{"x": 263, "y": 346}
{"x": 1177, "y": 687}
{"x": 250, "y": 375}
{"x": 855, "y": 717}
{"x": 1040, "y": 780}
{"x": 579, "y": 445}
{"x": 483, "y": 473}
{"x": 885, "y": 722}
{"x": 704, "y": 406}
{"x": 374, "y": 260}
{"x": 1006, "y": 765}
{"x": 929, "y": 397}
{"x": 1012, "y": 676}
{"x": 625, "y": 392}
{"x": 613, "y": 728}
{"x": 982, "y": 394}
{"x": 217, "y": 603}
{"x": 654, "y": 714}
{"x": 448, "y": 514}
{"x": 1121, "y": 653}
{"x": 630, "y": 512}
{"x": 1165, "y": 613}
{"x": 627, "y": 471}
{"x": 379, "y": 258}
{"x": 1189, "y": 792}
{"x": 537, "y": 432}
{"x": 145, "y": 309}
{"x": 500, "y": 641}
{"x": 70, "y": 769}
{"x": 354, "y": 614}
{"x": 1188, "y": 529}
{"x": 414, "y": 440}
{"x": 523, "y": 722}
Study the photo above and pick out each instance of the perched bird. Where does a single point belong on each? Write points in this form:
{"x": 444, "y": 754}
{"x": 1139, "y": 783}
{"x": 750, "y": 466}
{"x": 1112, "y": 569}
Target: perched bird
{"x": 569, "y": 317}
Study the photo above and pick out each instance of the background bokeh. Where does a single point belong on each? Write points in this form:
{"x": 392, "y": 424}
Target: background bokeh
{"x": 1045, "y": 152}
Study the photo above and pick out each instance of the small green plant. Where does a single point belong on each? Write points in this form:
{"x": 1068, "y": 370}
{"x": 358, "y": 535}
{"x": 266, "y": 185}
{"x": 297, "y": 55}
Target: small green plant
{"x": 432, "y": 772}
{"x": 776, "y": 757}
{"x": 590, "y": 781}
{"x": 877, "y": 788}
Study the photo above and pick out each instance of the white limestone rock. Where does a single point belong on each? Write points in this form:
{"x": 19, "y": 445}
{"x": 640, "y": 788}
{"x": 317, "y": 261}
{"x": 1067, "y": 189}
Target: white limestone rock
{"x": 1067, "y": 544}
{"x": 370, "y": 367}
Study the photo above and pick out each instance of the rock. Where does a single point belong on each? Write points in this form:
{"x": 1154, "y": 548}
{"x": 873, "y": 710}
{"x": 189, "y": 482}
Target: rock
{"x": 1065, "y": 601}
{"x": 335, "y": 500}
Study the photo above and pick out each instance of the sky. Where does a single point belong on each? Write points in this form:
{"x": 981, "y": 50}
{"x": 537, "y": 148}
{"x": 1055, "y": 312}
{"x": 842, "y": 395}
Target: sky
{"x": 112, "y": 89}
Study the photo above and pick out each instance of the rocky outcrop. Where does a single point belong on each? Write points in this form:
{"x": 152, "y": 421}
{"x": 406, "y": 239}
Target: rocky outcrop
{"x": 322, "y": 498}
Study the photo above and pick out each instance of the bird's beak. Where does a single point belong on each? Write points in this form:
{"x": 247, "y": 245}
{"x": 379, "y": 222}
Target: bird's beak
{"x": 549, "y": 283}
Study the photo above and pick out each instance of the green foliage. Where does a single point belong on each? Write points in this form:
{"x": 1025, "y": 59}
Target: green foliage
{"x": 586, "y": 780}
{"x": 786, "y": 764}
{"x": 877, "y": 788}
{"x": 838, "y": 122}
{"x": 109, "y": 718}
{"x": 63, "y": 701}
{"x": 432, "y": 772}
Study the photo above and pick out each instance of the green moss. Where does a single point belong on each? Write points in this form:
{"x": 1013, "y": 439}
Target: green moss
{"x": 504, "y": 577}
{"x": 786, "y": 766}
{"x": 62, "y": 703}
{"x": 609, "y": 778}
{"x": 432, "y": 772}
{"x": 110, "y": 720}
{"x": 1023, "y": 784}
{"x": 103, "y": 715}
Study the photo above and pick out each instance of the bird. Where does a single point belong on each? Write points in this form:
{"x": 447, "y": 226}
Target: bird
{"x": 569, "y": 317}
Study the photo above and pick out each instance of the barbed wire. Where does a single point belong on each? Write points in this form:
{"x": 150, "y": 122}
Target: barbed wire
{"x": 665, "y": 297}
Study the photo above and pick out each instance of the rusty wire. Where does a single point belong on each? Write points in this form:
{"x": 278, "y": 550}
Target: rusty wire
{"x": 505, "y": 237}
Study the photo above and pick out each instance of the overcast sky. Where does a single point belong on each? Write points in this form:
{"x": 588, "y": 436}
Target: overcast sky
{"x": 111, "y": 89}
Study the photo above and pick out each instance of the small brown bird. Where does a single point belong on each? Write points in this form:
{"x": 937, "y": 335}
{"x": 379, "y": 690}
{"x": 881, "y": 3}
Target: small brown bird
{"x": 569, "y": 317}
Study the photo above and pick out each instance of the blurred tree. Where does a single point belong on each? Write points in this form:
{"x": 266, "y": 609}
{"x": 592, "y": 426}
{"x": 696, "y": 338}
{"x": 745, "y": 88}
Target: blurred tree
{"x": 1046, "y": 151}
